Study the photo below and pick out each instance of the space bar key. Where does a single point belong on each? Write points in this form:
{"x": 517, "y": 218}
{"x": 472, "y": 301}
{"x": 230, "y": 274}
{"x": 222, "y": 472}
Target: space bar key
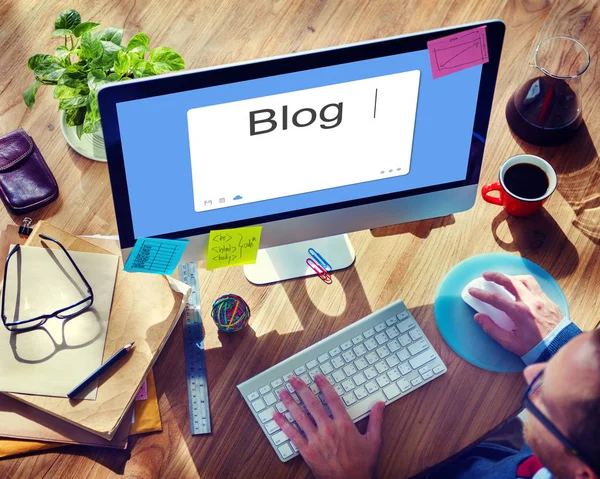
{"x": 364, "y": 406}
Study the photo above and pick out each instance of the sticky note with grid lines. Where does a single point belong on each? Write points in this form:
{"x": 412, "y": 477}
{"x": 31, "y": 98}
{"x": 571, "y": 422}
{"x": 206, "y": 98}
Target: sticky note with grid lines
{"x": 154, "y": 255}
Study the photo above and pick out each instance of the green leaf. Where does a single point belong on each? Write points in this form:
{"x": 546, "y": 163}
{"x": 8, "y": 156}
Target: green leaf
{"x": 74, "y": 77}
{"x": 142, "y": 68}
{"x": 91, "y": 47}
{"x": 75, "y": 116}
{"x": 61, "y": 32}
{"x": 62, "y": 52}
{"x": 35, "y": 60}
{"x": 111, "y": 34}
{"x": 67, "y": 19}
{"x": 95, "y": 80}
{"x": 91, "y": 123}
{"x": 109, "y": 56}
{"x": 139, "y": 40}
{"x": 49, "y": 70}
{"x": 83, "y": 28}
{"x": 164, "y": 59}
{"x": 64, "y": 92}
{"x": 29, "y": 94}
{"x": 75, "y": 102}
{"x": 122, "y": 64}
{"x": 113, "y": 77}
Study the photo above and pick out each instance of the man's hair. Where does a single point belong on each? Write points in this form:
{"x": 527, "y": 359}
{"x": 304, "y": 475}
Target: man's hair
{"x": 585, "y": 432}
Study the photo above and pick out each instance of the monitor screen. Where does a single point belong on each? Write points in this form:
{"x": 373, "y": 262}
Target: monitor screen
{"x": 316, "y": 139}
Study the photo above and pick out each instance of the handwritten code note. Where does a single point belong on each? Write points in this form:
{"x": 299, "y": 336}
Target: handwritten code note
{"x": 153, "y": 255}
{"x": 457, "y": 52}
{"x": 233, "y": 247}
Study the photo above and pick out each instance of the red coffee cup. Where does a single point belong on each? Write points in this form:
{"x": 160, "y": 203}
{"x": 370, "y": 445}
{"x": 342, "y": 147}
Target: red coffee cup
{"x": 526, "y": 191}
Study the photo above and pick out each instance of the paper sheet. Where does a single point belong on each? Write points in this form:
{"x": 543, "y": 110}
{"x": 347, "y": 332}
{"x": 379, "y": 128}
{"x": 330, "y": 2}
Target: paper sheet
{"x": 155, "y": 255}
{"x": 54, "y": 358}
{"x": 233, "y": 247}
{"x": 459, "y": 51}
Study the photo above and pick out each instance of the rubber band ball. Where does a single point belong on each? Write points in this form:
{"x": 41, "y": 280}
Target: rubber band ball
{"x": 230, "y": 313}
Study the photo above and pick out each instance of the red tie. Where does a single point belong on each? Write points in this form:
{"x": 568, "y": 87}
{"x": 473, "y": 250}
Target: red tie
{"x": 529, "y": 467}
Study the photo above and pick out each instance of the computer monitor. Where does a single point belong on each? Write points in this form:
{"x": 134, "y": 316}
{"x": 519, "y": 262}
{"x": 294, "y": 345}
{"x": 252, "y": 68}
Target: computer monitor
{"x": 309, "y": 145}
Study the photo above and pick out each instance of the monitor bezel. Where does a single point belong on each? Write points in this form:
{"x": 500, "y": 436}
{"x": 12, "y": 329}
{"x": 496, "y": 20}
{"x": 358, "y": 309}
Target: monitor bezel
{"x": 111, "y": 95}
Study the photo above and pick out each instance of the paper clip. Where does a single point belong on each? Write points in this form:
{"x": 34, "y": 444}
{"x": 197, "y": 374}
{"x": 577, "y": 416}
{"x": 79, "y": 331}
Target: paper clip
{"x": 319, "y": 259}
{"x": 321, "y": 273}
{"x": 25, "y": 230}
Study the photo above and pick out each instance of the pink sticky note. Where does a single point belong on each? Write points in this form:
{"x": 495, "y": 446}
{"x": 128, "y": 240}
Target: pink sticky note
{"x": 457, "y": 52}
{"x": 142, "y": 394}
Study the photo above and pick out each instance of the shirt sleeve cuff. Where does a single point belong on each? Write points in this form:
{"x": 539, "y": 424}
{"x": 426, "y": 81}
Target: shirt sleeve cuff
{"x": 533, "y": 354}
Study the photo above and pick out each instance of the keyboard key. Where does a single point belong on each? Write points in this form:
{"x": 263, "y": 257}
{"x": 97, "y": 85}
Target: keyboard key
{"x": 393, "y": 320}
{"x": 266, "y": 415}
{"x": 326, "y": 367}
{"x": 370, "y": 373}
{"x": 322, "y": 358}
{"x": 438, "y": 369}
{"x": 337, "y": 362}
{"x": 270, "y": 399}
{"x": 427, "y": 375}
{"x": 368, "y": 333}
{"x": 392, "y": 361}
{"x": 278, "y": 382}
{"x": 289, "y": 417}
{"x": 361, "y": 364}
{"x": 306, "y": 379}
{"x": 405, "y": 369}
{"x": 383, "y": 352}
{"x": 403, "y": 355}
{"x": 371, "y": 344}
{"x": 338, "y": 376}
{"x": 381, "y": 367}
{"x": 416, "y": 334}
{"x": 258, "y": 405}
{"x": 381, "y": 338}
{"x": 392, "y": 333}
{"x": 402, "y": 315}
{"x": 380, "y": 327}
{"x": 394, "y": 374}
{"x": 335, "y": 351}
{"x": 349, "y": 399}
{"x": 416, "y": 381}
{"x": 329, "y": 378}
{"x": 311, "y": 365}
{"x": 404, "y": 385}
{"x": 339, "y": 389}
{"x": 372, "y": 358}
{"x": 290, "y": 388}
{"x": 279, "y": 438}
{"x": 393, "y": 346}
{"x": 313, "y": 373}
{"x": 314, "y": 388}
{"x": 371, "y": 387}
{"x": 417, "y": 347}
{"x": 382, "y": 381}
{"x": 359, "y": 379}
{"x": 253, "y": 396}
{"x": 294, "y": 448}
{"x": 426, "y": 368}
{"x": 285, "y": 451}
{"x": 350, "y": 370}
{"x": 348, "y": 385}
{"x": 422, "y": 359}
{"x": 404, "y": 340}
{"x": 366, "y": 404}
{"x": 391, "y": 391}
{"x": 287, "y": 376}
{"x": 358, "y": 339}
{"x": 295, "y": 398}
{"x": 300, "y": 370}
{"x": 405, "y": 325}
{"x": 349, "y": 356}
{"x": 281, "y": 407}
{"x": 346, "y": 345}
{"x": 265, "y": 389}
{"x": 361, "y": 393}
{"x": 272, "y": 427}
{"x": 360, "y": 350}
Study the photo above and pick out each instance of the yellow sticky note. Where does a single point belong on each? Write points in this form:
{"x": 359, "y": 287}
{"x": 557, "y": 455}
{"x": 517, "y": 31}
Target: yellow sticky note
{"x": 233, "y": 247}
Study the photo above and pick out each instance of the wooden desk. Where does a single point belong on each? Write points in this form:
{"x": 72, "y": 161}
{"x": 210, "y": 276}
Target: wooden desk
{"x": 406, "y": 261}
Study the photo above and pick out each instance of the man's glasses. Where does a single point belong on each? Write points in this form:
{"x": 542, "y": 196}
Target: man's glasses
{"x": 533, "y": 409}
{"x": 67, "y": 312}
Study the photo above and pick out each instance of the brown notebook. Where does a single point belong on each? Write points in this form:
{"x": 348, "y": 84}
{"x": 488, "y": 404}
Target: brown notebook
{"x": 145, "y": 309}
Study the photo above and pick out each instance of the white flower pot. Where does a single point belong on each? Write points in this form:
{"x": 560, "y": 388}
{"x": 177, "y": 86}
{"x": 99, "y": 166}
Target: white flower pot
{"x": 89, "y": 145}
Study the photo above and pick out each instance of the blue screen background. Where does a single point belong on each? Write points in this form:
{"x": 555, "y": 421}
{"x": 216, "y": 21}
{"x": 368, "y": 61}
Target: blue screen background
{"x": 154, "y": 136}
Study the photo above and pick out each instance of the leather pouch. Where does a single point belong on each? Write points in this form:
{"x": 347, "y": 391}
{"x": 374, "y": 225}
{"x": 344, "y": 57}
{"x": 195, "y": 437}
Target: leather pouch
{"x": 26, "y": 182}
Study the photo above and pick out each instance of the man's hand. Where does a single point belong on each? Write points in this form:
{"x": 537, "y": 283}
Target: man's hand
{"x": 332, "y": 447}
{"x": 534, "y": 314}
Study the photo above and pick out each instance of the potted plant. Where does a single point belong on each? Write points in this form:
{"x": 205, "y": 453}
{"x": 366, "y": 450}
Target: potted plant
{"x": 85, "y": 60}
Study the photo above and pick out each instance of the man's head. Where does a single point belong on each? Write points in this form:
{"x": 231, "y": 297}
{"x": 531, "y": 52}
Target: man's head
{"x": 570, "y": 397}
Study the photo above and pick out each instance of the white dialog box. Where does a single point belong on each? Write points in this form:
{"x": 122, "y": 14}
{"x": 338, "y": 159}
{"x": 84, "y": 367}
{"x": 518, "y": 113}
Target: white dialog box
{"x": 302, "y": 141}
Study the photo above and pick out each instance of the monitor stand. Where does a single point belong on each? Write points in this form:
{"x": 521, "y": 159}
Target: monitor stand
{"x": 289, "y": 261}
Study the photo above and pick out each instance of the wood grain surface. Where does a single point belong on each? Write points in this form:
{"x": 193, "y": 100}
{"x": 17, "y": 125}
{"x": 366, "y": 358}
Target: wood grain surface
{"x": 406, "y": 261}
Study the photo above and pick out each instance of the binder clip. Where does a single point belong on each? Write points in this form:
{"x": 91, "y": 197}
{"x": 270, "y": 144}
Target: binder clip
{"x": 25, "y": 230}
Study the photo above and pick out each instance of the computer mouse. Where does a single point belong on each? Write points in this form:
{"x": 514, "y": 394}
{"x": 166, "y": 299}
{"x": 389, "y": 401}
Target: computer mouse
{"x": 499, "y": 317}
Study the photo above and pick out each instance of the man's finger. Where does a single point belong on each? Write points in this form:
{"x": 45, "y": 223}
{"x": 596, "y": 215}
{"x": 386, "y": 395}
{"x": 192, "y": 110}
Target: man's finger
{"x": 375, "y": 422}
{"x": 497, "y": 301}
{"x": 500, "y": 335}
{"x": 290, "y": 431}
{"x": 530, "y": 283}
{"x": 312, "y": 403}
{"x": 297, "y": 413}
{"x": 331, "y": 396}
{"x": 514, "y": 287}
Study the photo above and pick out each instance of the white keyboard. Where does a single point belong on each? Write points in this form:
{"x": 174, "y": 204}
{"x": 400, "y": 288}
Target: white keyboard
{"x": 381, "y": 357}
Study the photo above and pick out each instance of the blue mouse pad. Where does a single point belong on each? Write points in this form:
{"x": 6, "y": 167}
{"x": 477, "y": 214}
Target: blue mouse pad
{"x": 455, "y": 320}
